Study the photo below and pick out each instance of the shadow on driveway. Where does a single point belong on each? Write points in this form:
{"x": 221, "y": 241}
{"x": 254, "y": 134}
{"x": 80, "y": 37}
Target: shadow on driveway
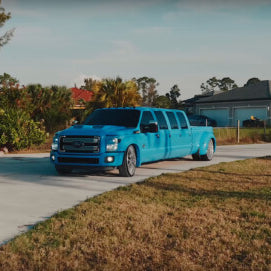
{"x": 40, "y": 171}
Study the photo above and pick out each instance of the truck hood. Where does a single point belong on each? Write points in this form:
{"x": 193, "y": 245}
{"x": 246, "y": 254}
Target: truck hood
{"x": 97, "y": 130}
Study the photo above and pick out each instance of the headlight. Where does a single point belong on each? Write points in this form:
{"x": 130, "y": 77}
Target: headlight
{"x": 54, "y": 145}
{"x": 112, "y": 144}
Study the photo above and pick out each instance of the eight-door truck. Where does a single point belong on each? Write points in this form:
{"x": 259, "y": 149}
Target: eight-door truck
{"x": 124, "y": 138}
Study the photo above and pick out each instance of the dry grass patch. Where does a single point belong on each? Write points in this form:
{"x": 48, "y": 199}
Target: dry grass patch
{"x": 226, "y": 136}
{"x": 213, "y": 218}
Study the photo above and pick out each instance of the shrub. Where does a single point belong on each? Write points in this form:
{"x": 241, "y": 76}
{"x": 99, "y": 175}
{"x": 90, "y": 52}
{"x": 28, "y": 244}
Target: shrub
{"x": 52, "y": 105}
{"x": 18, "y": 130}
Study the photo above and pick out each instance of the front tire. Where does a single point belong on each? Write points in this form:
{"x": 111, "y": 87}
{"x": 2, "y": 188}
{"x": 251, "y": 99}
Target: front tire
{"x": 128, "y": 167}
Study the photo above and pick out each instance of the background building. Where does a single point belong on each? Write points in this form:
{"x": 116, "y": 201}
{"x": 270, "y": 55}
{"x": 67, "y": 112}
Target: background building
{"x": 237, "y": 104}
{"x": 81, "y": 97}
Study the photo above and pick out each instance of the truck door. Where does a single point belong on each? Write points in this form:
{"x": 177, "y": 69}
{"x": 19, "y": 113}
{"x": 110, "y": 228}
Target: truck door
{"x": 185, "y": 138}
{"x": 163, "y": 142}
{"x": 148, "y": 139}
{"x": 174, "y": 135}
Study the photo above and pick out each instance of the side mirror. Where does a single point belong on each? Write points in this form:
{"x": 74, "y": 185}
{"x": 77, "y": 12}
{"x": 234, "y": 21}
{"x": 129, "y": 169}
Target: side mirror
{"x": 150, "y": 128}
{"x": 75, "y": 122}
{"x": 153, "y": 127}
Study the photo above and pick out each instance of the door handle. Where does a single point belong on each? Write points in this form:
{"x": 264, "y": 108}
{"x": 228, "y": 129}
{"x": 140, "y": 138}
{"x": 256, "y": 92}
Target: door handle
{"x": 157, "y": 135}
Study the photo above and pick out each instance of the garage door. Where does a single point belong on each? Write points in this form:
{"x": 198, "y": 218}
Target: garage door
{"x": 246, "y": 113}
{"x": 220, "y": 115}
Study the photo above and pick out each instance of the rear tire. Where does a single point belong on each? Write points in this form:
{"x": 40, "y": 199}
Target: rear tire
{"x": 196, "y": 156}
{"x": 128, "y": 167}
{"x": 210, "y": 152}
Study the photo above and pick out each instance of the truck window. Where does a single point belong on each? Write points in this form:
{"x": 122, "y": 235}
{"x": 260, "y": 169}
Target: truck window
{"x": 182, "y": 120}
{"x": 147, "y": 118}
{"x": 161, "y": 120}
{"x": 172, "y": 120}
{"x": 117, "y": 117}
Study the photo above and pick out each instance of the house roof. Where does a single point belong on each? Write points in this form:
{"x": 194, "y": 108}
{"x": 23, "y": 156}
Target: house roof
{"x": 192, "y": 100}
{"x": 258, "y": 91}
{"x": 81, "y": 94}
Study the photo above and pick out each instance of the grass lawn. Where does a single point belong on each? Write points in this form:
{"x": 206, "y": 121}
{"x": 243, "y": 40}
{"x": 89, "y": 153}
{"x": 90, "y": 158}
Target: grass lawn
{"x": 212, "y": 218}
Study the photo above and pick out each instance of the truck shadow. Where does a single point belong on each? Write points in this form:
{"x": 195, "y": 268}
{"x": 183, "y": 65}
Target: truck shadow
{"x": 201, "y": 193}
{"x": 41, "y": 171}
{"x": 39, "y": 167}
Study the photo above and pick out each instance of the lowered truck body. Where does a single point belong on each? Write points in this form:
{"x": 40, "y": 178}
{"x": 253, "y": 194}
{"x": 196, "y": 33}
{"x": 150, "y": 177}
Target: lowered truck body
{"x": 127, "y": 137}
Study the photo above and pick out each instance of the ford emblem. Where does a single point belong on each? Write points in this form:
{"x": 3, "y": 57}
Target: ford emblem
{"x": 78, "y": 144}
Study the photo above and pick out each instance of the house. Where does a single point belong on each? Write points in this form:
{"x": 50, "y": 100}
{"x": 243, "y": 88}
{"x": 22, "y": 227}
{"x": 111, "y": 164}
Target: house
{"x": 188, "y": 104}
{"x": 80, "y": 97}
{"x": 237, "y": 104}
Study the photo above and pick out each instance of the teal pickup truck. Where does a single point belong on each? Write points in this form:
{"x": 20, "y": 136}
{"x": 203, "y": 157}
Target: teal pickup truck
{"x": 124, "y": 138}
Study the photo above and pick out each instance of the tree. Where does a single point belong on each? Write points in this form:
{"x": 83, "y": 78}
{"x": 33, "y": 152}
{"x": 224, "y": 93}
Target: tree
{"x": 51, "y": 105}
{"x": 89, "y": 84}
{"x": 227, "y": 84}
{"x": 7, "y": 81}
{"x": 18, "y": 130}
{"x": 11, "y": 95}
{"x": 252, "y": 81}
{"x": 131, "y": 95}
{"x": 147, "y": 86}
{"x": 210, "y": 85}
{"x": 214, "y": 84}
{"x": 162, "y": 101}
{"x": 3, "y": 18}
{"x": 113, "y": 93}
{"x": 17, "y": 127}
{"x": 173, "y": 96}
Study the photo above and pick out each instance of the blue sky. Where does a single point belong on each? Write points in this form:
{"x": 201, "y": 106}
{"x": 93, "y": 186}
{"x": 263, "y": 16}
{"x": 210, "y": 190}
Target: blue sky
{"x": 182, "y": 42}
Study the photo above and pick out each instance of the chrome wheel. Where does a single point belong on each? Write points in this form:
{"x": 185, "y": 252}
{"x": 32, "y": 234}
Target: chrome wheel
{"x": 210, "y": 151}
{"x": 131, "y": 160}
{"x": 128, "y": 167}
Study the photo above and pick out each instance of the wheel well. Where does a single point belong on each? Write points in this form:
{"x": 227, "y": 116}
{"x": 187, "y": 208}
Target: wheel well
{"x": 205, "y": 142}
{"x": 214, "y": 143}
{"x": 138, "y": 158}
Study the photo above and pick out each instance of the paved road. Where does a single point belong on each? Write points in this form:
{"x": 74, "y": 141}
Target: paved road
{"x": 31, "y": 190}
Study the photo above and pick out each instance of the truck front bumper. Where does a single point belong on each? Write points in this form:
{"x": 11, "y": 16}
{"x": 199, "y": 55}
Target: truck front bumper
{"x": 103, "y": 160}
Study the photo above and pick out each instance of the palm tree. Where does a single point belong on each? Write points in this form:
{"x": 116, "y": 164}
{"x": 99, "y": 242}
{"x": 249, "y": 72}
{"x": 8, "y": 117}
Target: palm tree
{"x": 132, "y": 96}
{"x": 114, "y": 93}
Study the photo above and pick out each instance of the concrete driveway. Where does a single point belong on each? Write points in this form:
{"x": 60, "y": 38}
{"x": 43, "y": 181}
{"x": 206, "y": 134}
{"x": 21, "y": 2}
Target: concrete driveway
{"x": 31, "y": 190}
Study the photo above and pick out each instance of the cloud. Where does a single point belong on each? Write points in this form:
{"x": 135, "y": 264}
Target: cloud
{"x": 217, "y": 4}
{"x": 210, "y": 7}
{"x": 79, "y": 8}
{"x": 160, "y": 30}
{"x": 123, "y": 48}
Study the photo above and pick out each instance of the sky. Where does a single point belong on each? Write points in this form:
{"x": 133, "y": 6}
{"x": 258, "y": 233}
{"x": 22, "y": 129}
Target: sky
{"x": 183, "y": 42}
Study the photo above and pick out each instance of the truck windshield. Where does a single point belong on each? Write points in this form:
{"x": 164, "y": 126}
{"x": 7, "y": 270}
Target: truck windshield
{"x": 117, "y": 117}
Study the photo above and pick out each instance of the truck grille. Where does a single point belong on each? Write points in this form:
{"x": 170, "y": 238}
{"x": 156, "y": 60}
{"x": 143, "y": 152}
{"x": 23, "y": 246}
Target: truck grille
{"x": 80, "y": 144}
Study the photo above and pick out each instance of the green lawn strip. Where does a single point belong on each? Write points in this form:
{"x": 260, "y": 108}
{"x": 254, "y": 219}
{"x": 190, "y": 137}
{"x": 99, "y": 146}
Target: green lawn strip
{"x": 212, "y": 218}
